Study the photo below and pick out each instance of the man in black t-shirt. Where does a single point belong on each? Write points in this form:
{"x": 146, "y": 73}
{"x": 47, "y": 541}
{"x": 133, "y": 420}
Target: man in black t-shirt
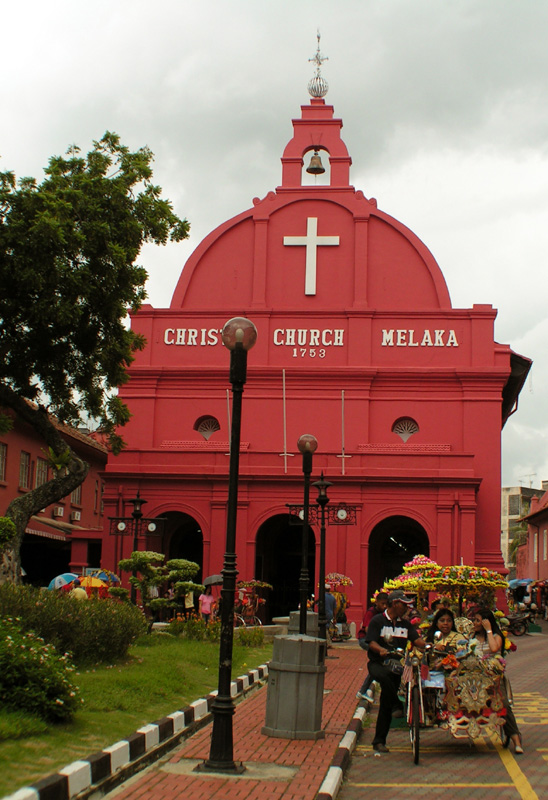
{"x": 388, "y": 631}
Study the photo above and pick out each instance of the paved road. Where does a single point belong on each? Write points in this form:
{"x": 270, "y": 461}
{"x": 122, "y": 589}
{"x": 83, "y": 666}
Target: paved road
{"x": 453, "y": 768}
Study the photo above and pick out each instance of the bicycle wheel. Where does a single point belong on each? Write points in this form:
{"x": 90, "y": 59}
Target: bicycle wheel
{"x": 519, "y": 628}
{"x": 239, "y": 622}
{"x": 414, "y": 729}
{"x": 256, "y": 621}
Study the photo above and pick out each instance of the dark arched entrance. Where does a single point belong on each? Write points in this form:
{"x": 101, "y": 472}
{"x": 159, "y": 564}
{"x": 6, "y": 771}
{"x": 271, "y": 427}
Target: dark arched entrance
{"x": 392, "y": 543}
{"x": 278, "y": 556}
{"x": 184, "y": 539}
{"x": 42, "y": 558}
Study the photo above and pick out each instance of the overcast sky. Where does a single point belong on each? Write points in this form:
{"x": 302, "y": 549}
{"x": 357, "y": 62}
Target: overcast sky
{"x": 445, "y": 110}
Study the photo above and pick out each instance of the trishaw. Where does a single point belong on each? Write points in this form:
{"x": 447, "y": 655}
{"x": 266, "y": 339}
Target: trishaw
{"x": 463, "y": 695}
{"x": 455, "y": 690}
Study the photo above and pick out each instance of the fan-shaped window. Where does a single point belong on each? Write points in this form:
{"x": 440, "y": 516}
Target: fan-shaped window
{"x": 405, "y": 427}
{"x": 206, "y": 426}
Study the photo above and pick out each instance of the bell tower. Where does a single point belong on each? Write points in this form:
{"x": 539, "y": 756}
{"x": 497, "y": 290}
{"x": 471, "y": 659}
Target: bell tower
{"x": 316, "y": 130}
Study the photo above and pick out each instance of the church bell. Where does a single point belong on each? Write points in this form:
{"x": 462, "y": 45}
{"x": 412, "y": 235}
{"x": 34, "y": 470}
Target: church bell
{"x": 315, "y": 167}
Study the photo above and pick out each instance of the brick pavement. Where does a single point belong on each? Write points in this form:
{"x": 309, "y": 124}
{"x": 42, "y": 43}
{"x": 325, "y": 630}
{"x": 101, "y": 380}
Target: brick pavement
{"x": 282, "y": 769}
{"x": 306, "y": 762}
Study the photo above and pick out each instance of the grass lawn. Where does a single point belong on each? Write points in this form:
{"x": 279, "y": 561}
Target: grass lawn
{"x": 161, "y": 675}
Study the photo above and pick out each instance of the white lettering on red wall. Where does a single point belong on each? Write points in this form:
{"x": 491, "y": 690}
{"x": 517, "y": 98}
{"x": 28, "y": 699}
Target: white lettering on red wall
{"x": 192, "y": 336}
{"x": 290, "y": 337}
{"x": 316, "y": 337}
{"x": 401, "y": 337}
{"x": 308, "y": 337}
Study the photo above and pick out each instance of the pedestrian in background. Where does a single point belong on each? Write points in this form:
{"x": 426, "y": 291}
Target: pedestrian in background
{"x": 206, "y": 603}
{"x": 381, "y": 601}
{"x": 78, "y": 591}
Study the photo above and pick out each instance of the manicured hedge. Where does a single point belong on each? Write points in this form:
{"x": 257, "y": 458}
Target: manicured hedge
{"x": 92, "y": 631}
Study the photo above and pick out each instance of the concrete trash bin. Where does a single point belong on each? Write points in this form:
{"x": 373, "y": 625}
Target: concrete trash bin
{"x": 295, "y": 688}
{"x": 312, "y": 628}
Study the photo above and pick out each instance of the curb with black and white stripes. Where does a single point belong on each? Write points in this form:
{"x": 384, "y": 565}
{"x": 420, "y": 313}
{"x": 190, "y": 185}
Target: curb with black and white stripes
{"x": 341, "y": 760}
{"x": 105, "y": 769}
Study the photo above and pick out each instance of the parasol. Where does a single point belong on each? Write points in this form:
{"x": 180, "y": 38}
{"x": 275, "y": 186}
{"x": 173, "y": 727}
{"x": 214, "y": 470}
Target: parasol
{"x": 90, "y": 582}
{"x": 62, "y": 580}
{"x": 213, "y": 580}
{"x": 519, "y": 582}
{"x": 106, "y": 576}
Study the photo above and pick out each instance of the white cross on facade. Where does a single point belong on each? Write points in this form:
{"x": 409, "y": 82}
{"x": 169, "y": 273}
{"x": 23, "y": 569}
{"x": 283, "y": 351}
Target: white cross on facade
{"x": 311, "y": 241}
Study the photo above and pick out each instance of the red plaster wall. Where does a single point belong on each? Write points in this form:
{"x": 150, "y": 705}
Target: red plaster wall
{"x": 379, "y": 327}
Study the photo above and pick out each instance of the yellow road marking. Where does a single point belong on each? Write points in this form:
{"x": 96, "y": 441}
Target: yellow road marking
{"x": 433, "y": 785}
{"x": 518, "y": 778}
{"x": 531, "y": 708}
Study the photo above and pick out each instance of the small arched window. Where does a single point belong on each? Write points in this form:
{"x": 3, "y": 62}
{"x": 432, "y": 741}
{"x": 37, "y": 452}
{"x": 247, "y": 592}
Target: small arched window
{"x": 206, "y": 426}
{"x": 405, "y": 427}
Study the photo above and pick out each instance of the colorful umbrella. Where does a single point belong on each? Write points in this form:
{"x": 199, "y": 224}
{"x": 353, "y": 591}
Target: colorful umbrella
{"x": 62, "y": 580}
{"x": 106, "y": 576}
{"x": 90, "y": 582}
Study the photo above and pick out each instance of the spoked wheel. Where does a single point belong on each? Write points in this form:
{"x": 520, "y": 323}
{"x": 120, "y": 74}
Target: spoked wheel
{"x": 519, "y": 628}
{"x": 414, "y": 728}
{"x": 239, "y": 622}
{"x": 256, "y": 622}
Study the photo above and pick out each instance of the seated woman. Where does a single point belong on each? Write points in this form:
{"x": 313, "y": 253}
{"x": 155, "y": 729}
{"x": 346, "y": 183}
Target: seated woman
{"x": 443, "y": 634}
{"x": 490, "y": 640}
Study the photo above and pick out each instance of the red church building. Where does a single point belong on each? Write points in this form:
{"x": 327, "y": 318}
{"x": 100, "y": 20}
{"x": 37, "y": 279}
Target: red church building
{"x": 358, "y": 344}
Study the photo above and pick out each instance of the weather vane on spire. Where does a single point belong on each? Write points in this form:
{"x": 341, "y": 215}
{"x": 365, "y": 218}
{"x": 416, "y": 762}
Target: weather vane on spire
{"x": 318, "y": 86}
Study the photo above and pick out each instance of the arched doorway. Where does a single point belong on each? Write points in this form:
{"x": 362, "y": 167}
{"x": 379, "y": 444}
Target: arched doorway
{"x": 393, "y": 542}
{"x": 278, "y": 556}
{"x": 184, "y": 539}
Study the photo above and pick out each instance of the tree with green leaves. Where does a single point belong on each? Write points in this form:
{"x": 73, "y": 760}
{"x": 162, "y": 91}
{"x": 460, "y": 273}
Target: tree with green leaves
{"x": 149, "y": 572}
{"x": 68, "y": 275}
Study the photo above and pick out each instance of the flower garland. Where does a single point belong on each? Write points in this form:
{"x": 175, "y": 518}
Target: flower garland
{"x": 253, "y": 585}
{"x": 422, "y": 575}
{"x": 336, "y": 579}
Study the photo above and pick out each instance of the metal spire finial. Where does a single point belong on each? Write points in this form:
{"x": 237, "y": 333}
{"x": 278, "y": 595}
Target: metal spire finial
{"x": 318, "y": 86}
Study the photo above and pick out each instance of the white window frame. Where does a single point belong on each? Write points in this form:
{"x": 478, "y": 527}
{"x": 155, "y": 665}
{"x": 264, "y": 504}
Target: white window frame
{"x": 41, "y": 472}
{"x": 24, "y": 470}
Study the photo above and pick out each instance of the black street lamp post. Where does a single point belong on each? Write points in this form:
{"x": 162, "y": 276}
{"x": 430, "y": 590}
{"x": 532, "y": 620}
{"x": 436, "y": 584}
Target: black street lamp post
{"x": 136, "y": 526}
{"x": 307, "y": 445}
{"x": 322, "y": 500}
{"x": 239, "y": 335}
{"x": 137, "y": 515}
{"x": 337, "y": 514}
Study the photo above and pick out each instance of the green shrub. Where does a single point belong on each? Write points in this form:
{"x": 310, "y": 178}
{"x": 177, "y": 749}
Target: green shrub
{"x": 176, "y": 627}
{"x": 34, "y": 677}
{"x": 195, "y": 629}
{"x": 119, "y": 593}
{"x": 213, "y": 631}
{"x": 96, "y": 630}
{"x": 250, "y": 637}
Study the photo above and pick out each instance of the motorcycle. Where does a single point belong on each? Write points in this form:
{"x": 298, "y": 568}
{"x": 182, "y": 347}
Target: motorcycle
{"x": 518, "y": 624}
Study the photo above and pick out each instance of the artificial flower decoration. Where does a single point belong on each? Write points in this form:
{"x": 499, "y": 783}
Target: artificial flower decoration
{"x": 449, "y": 662}
{"x": 336, "y": 579}
{"x": 253, "y": 585}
